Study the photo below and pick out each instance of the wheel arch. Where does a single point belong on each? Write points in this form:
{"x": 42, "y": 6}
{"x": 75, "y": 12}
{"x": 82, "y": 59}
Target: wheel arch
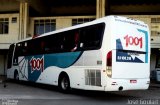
{"x": 61, "y": 75}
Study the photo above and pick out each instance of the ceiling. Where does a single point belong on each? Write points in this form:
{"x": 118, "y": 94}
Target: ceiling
{"x": 93, "y": 2}
{"x": 58, "y": 3}
{"x": 81, "y": 7}
{"x": 133, "y": 2}
{"x": 9, "y": 5}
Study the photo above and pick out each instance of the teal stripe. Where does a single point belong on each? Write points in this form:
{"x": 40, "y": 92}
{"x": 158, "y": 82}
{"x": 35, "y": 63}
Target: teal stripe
{"x": 62, "y": 60}
{"x": 146, "y": 38}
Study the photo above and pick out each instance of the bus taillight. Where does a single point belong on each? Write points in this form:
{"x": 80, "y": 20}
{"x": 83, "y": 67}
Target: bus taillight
{"x": 109, "y": 64}
{"x": 109, "y": 58}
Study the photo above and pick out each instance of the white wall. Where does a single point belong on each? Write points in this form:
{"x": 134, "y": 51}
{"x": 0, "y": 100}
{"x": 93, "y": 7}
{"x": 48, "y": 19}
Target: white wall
{"x": 12, "y": 36}
{"x": 61, "y": 21}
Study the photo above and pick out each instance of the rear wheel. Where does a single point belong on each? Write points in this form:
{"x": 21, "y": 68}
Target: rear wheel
{"x": 64, "y": 83}
{"x": 16, "y": 76}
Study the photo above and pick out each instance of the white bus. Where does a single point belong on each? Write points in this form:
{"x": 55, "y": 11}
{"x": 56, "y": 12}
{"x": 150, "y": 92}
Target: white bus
{"x": 108, "y": 54}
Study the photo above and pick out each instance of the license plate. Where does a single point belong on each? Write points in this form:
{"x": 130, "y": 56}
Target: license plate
{"x": 133, "y": 81}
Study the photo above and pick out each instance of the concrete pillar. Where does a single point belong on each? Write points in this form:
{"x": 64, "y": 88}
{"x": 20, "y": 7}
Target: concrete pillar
{"x": 100, "y": 8}
{"x": 23, "y": 20}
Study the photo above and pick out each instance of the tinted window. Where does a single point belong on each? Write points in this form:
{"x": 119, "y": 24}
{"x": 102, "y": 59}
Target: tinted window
{"x": 21, "y": 49}
{"x": 91, "y": 37}
{"x": 86, "y": 38}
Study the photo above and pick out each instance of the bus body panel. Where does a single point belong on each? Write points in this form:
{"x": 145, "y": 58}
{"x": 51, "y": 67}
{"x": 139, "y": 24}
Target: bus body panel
{"x": 51, "y": 73}
{"x": 131, "y": 52}
{"x": 130, "y": 46}
{"x": 125, "y": 84}
{"x": 89, "y": 60}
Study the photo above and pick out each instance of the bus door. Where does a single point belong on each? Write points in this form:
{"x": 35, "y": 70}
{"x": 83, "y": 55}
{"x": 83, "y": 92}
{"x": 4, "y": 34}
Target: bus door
{"x": 10, "y": 56}
{"x": 10, "y": 61}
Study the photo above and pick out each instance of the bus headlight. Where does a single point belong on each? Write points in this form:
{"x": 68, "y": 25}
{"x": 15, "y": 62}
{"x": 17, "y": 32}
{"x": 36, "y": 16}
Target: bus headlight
{"x": 109, "y": 72}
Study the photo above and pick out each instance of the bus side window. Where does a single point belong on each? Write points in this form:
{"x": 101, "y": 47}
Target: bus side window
{"x": 91, "y": 37}
{"x": 18, "y": 51}
{"x": 76, "y": 42}
{"x": 29, "y": 48}
{"x": 82, "y": 39}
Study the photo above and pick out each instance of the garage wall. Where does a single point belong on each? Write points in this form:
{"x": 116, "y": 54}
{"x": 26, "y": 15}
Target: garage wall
{"x": 13, "y": 30}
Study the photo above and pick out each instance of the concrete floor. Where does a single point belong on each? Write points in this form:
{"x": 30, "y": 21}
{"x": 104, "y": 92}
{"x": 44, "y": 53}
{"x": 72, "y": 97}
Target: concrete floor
{"x": 25, "y": 93}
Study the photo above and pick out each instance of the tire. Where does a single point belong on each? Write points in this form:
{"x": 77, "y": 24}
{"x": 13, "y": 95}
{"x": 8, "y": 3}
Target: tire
{"x": 16, "y": 76}
{"x": 64, "y": 84}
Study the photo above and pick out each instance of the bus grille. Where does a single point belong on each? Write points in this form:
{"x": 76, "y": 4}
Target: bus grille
{"x": 93, "y": 77}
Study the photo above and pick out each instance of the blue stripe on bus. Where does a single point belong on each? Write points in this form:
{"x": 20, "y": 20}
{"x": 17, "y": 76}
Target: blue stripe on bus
{"x": 146, "y": 39}
{"x": 61, "y": 60}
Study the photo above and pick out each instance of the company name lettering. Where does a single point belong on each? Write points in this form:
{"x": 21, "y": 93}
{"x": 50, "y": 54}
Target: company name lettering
{"x": 124, "y": 58}
{"x": 37, "y": 64}
{"x": 133, "y": 41}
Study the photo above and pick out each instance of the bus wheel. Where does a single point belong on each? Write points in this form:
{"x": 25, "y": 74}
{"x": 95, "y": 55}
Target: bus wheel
{"x": 64, "y": 83}
{"x": 16, "y": 76}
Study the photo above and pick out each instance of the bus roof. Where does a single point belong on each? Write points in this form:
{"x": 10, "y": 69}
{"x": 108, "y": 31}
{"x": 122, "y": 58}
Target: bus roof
{"x": 83, "y": 25}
